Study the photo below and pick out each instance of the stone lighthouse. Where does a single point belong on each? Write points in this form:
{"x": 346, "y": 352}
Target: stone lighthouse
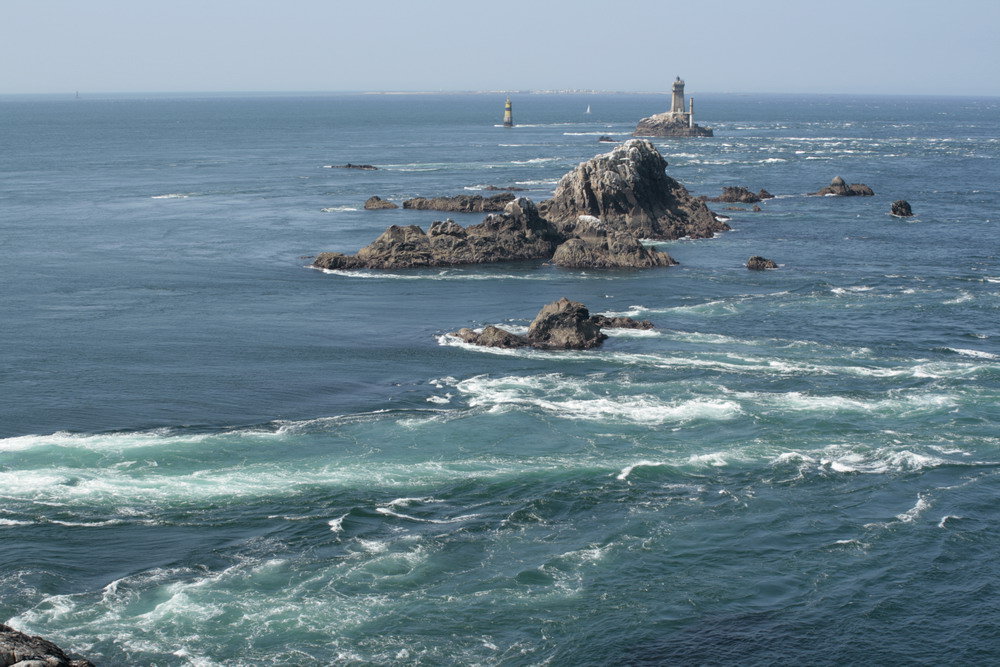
{"x": 677, "y": 103}
{"x": 673, "y": 123}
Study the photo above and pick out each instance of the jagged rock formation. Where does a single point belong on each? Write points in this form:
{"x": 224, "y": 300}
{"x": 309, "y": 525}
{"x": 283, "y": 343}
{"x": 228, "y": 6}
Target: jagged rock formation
{"x": 560, "y": 325}
{"x": 839, "y": 187}
{"x": 22, "y": 650}
{"x": 375, "y": 202}
{"x": 669, "y": 125}
{"x": 516, "y": 234}
{"x": 512, "y": 188}
{"x": 758, "y": 263}
{"x": 461, "y": 203}
{"x": 901, "y": 209}
{"x": 740, "y": 195}
{"x": 629, "y": 191}
{"x": 597, "y": 248}
{"x": 597, "y": 218}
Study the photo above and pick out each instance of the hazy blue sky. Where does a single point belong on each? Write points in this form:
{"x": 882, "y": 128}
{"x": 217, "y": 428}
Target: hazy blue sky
{"x": 845, "y": 46}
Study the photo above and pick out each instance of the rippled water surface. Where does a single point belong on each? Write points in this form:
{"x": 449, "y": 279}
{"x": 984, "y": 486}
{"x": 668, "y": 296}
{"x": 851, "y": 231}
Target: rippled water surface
{"x": 211, "y": 454}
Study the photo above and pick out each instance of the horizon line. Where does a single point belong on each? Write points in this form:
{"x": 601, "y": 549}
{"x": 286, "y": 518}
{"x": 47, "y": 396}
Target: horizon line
{"x": 499, "y": 91}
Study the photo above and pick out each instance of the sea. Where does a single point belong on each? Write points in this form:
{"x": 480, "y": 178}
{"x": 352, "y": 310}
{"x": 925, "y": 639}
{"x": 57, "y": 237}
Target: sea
{"x": 213, "y": 454}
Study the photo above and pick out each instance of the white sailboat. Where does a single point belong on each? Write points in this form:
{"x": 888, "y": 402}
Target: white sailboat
{"x": 588, "y": 108}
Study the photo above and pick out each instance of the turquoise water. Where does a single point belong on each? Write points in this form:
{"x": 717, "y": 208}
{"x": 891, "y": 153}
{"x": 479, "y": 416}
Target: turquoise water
{"x": 212, "y": 454}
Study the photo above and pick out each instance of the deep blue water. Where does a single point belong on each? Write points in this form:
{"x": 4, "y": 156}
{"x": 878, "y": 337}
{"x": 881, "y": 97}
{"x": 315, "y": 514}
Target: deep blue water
{"x": 211, "y": 454}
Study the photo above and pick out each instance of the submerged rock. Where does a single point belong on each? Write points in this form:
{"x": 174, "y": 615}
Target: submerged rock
{"x": 18, "y": 648}
{"x": 839, "y": 187}
{"x": 375, "y": 203}
{"x": 492, "y": 336}
{"x": 461, "y": 203}
{"x": 758, "y": 263}
{"x": 901, "y": 209}
{"x": 363, "y": 167}
{"x": 629, "y": 191}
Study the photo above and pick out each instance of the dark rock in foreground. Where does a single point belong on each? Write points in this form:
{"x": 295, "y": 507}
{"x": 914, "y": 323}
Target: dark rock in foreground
{"x": 901, "y": 209}
{"x": 17, "y": 648}
{"x": 758, "y": 263}
{"x": 375, "y": 203}
{"x": 629, "y": 191}
{"x": 560, "y": 325}
{"x": 461, "y": 203}
{"x": 669, "y": 125}
{"x": 363, "y": 167}
{"x": 512, "y": 188}
{"x": 740, "y": 195}
{"x": 516, "y": 234}
{"x": 839, "y": 187}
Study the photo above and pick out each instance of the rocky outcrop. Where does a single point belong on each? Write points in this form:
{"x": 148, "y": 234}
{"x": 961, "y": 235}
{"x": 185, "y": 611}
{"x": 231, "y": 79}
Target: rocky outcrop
{"x": 565, "y": 325}
{"x": 594, "y": 247}
{"x": 629, "y": 191}
{"x": 758, "y": 263}
{"x": 375, "y": 203}
{"x": 461, "y": 203}
{"x": 740, "y": 195}
{"x": 839, "y": 187}
{"x": 620, "y": 322}
{"x": 363, "y": 167}
{"x": 17, "y": 648}
{"x": 492, "y": 336}
{"x": 516, "y": 234}
{"x": 901, "y": 209}
{"x": 560, "y": 325}
{"x": 604, "y": 139}
{"x": 512, "y": 188}
{"x": 670, "y": 125}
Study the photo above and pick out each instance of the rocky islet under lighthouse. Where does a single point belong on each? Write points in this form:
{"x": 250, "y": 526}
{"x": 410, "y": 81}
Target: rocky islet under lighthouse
{"x": 673, "y": 123}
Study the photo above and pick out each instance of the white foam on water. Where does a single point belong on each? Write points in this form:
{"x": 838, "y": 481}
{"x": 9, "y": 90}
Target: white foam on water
{"x": 772, "y": 160}
{"x": 542, "y": 182}
{"x": 978, "y": 354}
{"x": 632, "y": 333}
{"x": 339, "y": 209}
{"x": 963, "y": 297}
{"x": 627, "y": 470}
{"x": 15, "y": 522}
{"x": 173, "y": 195}
{"x": 535, "y": 160}
{"x": 574, "y": 399}
{"x": 912, "y": 514}
{"x": 714, "y": 459}
{"x": 880, "y": 461}
{"x": 944, "y": 520}
{"x": 337, "y": 525}
{"x": 441, "y": 400}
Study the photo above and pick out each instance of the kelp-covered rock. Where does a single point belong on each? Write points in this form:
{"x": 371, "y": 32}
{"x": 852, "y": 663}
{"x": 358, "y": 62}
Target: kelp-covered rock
{"x": 629, "y": 191}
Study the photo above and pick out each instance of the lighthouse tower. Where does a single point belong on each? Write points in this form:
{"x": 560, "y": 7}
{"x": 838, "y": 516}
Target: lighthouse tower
{"x": 677, "y": 104}
{"x": 508, "y": 119}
